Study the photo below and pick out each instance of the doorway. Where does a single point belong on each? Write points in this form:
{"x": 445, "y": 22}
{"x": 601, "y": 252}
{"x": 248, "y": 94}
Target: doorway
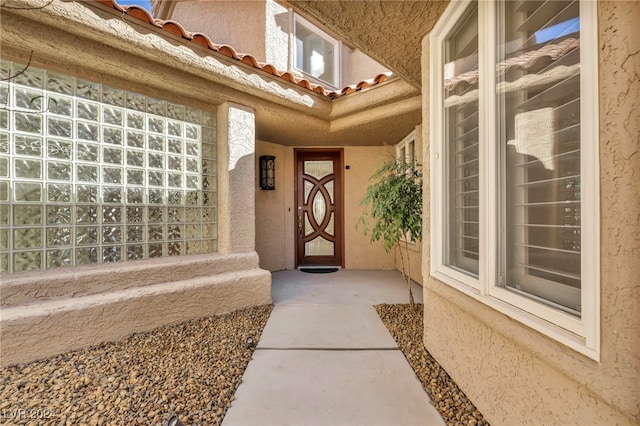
{"x": 319, "y": 204}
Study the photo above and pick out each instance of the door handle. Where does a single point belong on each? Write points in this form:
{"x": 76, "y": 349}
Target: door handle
{"x": 300, "y": 224}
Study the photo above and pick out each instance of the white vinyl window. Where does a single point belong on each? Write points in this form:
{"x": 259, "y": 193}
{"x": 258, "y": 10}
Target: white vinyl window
{"x": 406, "y": 149}
{"x": 514, "y": 161}
{"x": 316, "y": 53}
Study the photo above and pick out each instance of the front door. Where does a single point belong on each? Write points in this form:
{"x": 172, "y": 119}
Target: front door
{"x": 319, "y": 200}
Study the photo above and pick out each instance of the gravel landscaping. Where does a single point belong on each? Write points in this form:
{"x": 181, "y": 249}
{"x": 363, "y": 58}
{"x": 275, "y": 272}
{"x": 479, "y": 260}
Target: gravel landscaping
{"x": 407, "y": 328}
{"x": 191, "y": 369}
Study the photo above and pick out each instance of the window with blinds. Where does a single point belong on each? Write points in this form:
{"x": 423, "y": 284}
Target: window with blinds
{"x": 538, "y": 119}
{"x": 514, "y": 161}
{"x": 461, "y": 136}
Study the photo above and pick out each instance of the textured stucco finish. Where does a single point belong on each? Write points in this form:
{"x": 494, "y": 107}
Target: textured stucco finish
{"x": 514, "y": 374}
{"x": 387, "y": 31}
{"x": 359, "y": 252}
{"x": 44, "y": 313}
{"x": 362, "y": 67}
{"x": 236, "y": 177}
{"x": 277, "y": 40}
{"x": 379, "y": 116}
{"x": 240, "y": 24}
{"x": 275, "y": 220}
{"x": 272, "y": 211}
{"x": 46, "y": 327}
{"x": 93, "y": 42}
{"x": 21, "y": 289}
{"x": 269, "y": 38}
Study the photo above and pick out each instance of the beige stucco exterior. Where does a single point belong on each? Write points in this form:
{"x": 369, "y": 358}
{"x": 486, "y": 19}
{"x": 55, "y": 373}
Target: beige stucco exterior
{"x": 514, "y": 374}
{"x": 227, "y": 22}
{"x": 269, "y": 37}
{"x": 40, "y": 309}
{"x": 48, "y": 312}
{"x": 275, "y": 210}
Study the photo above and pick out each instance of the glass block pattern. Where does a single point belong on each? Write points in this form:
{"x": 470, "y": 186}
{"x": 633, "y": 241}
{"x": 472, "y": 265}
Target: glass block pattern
{"x": 94, "y": 174}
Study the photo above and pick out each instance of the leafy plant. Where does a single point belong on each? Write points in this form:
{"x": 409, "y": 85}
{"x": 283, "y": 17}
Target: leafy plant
{"x": 393, "y": 210}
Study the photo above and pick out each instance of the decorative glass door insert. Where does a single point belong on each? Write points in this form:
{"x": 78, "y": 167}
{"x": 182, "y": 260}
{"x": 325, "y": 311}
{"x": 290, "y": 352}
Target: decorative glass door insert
{"x": 319, "y": 208}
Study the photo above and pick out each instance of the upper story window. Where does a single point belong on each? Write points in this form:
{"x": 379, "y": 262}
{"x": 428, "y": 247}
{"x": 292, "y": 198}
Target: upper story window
{"x": 317, "y": 54}
{"x": 94, "y": 174}
{"x": 515, "y": 161}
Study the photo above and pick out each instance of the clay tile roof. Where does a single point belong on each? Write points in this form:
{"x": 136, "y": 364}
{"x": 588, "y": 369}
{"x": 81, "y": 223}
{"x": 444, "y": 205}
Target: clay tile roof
{"x": 203, "y": 40}
{"x": 319, "y": 89}
{"x": 140, "y": 13}
{"x": 362, "y": 85}
{"x": 381, "y": 78}
{"x": 533, "y": 59}
{"x": 176, "y": 29}
{"x": 229, "y": 51}
{"x": 250, "y": 60}
{"x": 347, "y": 90}
{"x": 287, "y": 76}
{"x": 304, "y": 83}
{"x": 273, "y": 71}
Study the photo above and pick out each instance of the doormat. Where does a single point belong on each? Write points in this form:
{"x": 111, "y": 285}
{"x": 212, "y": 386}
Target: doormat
{"x": 318, "y": 270}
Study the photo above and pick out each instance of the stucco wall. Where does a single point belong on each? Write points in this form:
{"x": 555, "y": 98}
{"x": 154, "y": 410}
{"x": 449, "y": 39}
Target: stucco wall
{"x": 361, "y": 67}
{"x": 47, "y": 312}
{"x": 275, "y": 210}
{"x": 240, "y": 24}
{"x": 359, "y": 252}
{"x": 263, "y": 28}
{"x": 278, "y": 35}
{"x": 271, "y": 212}
{"x": 514, "y": 374}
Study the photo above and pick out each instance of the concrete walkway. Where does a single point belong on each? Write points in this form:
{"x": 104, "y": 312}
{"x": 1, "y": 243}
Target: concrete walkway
{"x": 326, "y": 358}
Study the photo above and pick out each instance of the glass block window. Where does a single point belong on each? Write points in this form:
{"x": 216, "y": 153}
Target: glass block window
{"x": 93, "y": 174}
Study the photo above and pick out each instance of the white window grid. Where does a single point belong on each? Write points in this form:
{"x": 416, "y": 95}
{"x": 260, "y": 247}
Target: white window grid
{"x": 94, "y": 174}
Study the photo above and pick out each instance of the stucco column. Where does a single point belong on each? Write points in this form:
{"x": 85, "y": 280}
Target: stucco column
{"x": 236, "y": 178}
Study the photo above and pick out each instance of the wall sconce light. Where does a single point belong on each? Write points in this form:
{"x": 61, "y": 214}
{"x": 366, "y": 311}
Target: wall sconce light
{"x": 267, "y": 172}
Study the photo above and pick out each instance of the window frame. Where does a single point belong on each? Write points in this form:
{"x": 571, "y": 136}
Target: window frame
{"x": 406, "y": 150}
{"x": 579, "y": 333}
{"x": 337, "y": 44}
{"x": 404, "y": 144}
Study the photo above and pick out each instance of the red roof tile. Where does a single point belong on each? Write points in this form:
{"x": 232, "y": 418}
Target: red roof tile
{"x": 175, "y": 28}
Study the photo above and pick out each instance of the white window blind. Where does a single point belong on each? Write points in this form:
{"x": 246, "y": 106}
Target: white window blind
{"x": 461, "y": 135}
{"x": 538, "y": 110}
{"x": 514, "y": 162}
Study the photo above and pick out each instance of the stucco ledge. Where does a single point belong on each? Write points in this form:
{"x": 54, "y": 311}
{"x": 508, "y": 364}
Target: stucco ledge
{"x": 41, "y": 329}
